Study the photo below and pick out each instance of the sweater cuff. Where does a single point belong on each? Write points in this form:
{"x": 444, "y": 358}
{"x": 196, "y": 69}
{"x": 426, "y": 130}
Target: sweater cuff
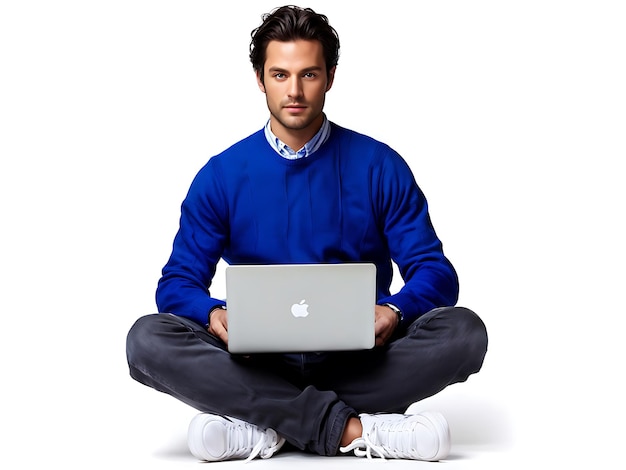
{"x": 208, "y": 317}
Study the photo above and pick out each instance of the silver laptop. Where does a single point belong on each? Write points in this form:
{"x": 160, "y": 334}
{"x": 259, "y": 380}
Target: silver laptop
{"x": 300, "y": 307}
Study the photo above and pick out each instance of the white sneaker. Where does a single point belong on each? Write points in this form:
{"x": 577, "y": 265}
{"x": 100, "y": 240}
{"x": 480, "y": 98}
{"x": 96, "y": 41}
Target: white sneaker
{"x": 423, "y": 436}
{"x": 215, "y": 438}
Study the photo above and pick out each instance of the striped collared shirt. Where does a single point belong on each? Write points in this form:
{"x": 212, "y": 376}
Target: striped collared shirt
{"x": 309, "y": 148}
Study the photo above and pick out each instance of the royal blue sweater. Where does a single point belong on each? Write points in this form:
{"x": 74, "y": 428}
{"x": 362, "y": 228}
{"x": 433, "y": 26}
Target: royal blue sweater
{"x": 354, "y": 200}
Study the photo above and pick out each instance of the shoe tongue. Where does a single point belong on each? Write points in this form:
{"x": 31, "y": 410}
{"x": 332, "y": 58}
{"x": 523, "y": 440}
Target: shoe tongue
{"x": 215, "y": 439}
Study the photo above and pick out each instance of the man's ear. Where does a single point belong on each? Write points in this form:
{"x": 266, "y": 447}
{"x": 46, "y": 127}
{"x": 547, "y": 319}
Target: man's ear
{"x": 259, "y": 81}
{"x": 331, "y": 78}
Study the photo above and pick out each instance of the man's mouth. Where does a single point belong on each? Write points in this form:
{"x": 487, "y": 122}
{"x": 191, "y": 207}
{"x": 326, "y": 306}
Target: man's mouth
{"x": 295, "y": 108}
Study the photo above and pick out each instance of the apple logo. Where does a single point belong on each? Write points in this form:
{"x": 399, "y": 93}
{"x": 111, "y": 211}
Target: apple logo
{"x": 300, "y": 310}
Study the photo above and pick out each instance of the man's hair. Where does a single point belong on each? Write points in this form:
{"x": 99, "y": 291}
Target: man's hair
{"x": 291, "y": 23}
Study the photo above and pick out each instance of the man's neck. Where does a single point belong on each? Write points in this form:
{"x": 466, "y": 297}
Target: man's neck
{"x": 295, "y": 138}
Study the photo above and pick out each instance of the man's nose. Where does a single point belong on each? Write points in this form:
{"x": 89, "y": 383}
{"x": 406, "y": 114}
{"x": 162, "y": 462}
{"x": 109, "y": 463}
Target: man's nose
{"x": 295, "y": 87}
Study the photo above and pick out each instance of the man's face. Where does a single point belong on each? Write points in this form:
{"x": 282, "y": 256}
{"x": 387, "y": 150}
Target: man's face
{"x": 295, "y": 84}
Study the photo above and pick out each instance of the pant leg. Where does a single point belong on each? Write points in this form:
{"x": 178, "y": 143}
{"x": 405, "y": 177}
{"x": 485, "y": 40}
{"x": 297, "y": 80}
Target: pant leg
{"x": 440, "y": 348}
{"x": 179, "y": 357}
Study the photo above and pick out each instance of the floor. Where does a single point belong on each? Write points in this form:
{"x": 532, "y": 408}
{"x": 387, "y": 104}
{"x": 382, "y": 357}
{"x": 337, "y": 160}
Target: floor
{"x": 171, "y": 452}
{"x": 482, "y": 435}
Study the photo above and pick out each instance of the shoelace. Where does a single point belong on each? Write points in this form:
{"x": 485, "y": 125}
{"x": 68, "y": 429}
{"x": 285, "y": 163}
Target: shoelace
{"x": 398, "y": 441}
{"x": 363, "y": 447}
{"x": 246, "y": 438}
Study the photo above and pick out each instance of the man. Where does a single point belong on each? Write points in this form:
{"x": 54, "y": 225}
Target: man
{"x": 305, "y": 190}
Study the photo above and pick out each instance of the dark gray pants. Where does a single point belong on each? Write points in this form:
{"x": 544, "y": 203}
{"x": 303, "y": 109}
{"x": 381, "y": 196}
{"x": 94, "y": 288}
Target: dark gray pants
{"x": 306, "y": 398}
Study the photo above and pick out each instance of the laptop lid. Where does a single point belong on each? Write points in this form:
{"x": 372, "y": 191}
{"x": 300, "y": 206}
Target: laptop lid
{"x": 300, "y": 307}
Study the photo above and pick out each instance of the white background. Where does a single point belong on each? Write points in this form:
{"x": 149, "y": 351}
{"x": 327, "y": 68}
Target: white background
{"x": 511, "y": 114}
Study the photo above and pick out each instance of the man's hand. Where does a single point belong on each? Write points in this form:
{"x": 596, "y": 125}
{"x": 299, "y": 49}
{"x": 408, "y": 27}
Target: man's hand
{"x": 218, "y": 324}
{"x": 386, "y": 321}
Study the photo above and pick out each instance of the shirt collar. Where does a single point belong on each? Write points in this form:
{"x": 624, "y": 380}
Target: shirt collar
{"x": 309, "y": 148}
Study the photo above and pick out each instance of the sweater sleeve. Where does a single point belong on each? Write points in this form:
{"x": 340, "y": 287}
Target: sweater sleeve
{"x": 198, "y": 246}
{"x": 430, "y": 280}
